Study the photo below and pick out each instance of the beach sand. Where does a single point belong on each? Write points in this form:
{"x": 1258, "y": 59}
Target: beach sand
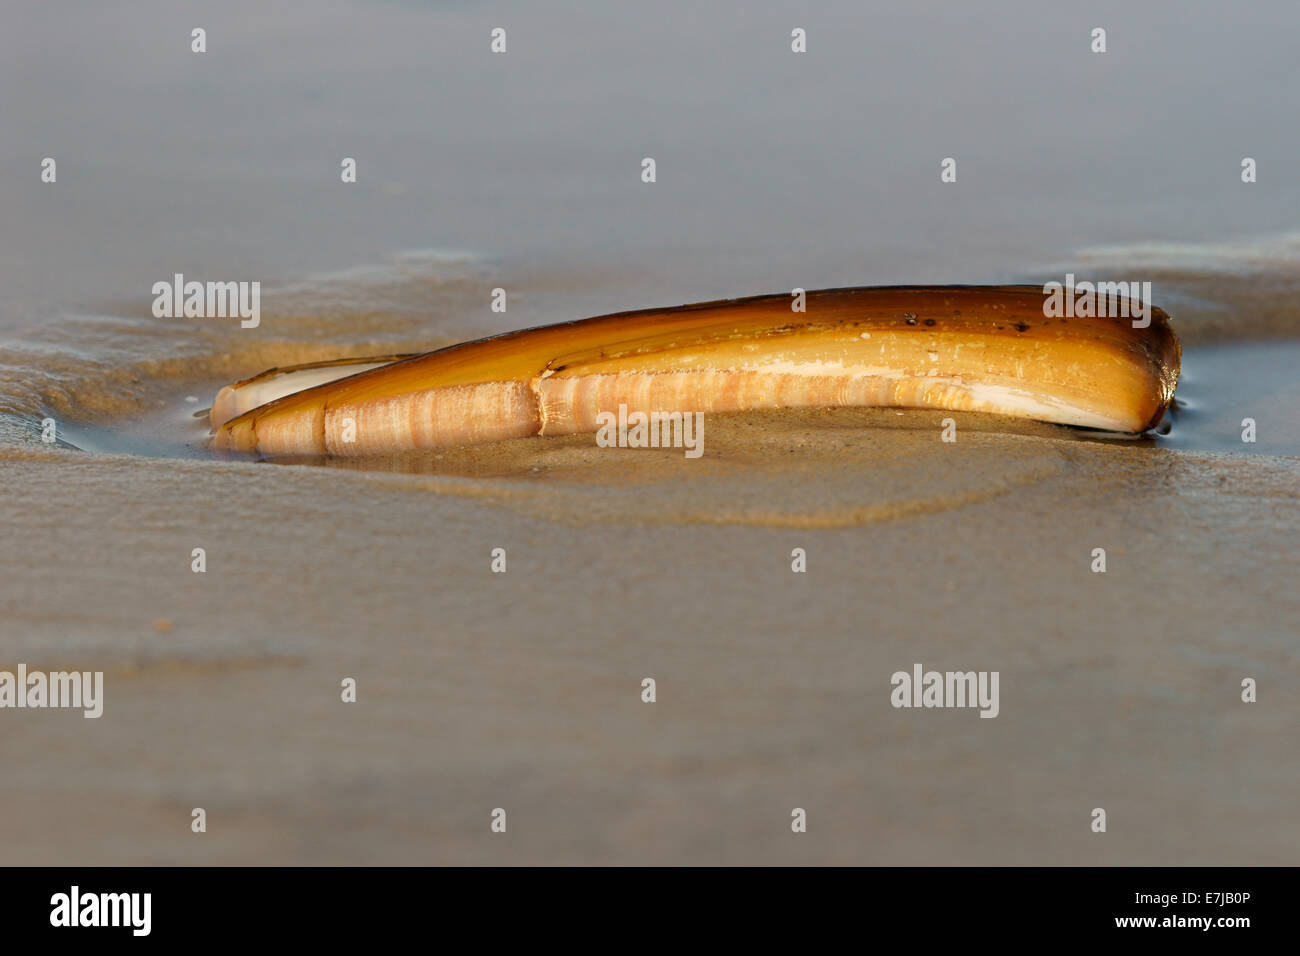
{"x": 522, "y": 690}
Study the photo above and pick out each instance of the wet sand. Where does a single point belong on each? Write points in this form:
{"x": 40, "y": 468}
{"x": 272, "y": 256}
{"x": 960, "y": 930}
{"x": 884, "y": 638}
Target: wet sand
{"x": 478, "y": 690}
{"x": 521, "y": 690}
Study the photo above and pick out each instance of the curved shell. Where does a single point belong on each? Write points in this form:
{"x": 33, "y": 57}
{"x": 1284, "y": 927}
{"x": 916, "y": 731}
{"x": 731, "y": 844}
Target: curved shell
{"x": 964, "y": 348}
